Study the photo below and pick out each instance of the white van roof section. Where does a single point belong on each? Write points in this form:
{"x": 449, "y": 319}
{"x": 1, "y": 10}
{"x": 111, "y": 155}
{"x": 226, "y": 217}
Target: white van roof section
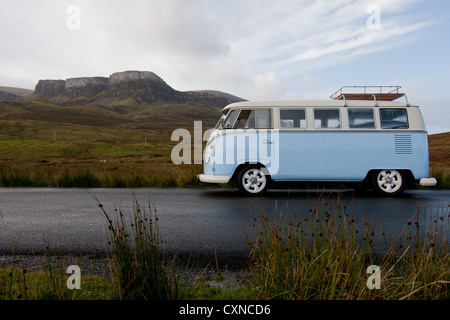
{"x": 316, "y": 104}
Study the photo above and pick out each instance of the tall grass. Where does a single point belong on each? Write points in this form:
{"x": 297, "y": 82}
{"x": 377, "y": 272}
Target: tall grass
{"x": 141, "y": 268}
{"x": 169, "y": 176}
{"x": 49, "y": 282}
{"x": 325, "y": 253}
{"x": 442, "y": 175}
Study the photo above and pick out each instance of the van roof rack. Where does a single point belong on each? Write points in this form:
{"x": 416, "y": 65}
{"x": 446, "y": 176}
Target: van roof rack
{"x": 380, "y": 93}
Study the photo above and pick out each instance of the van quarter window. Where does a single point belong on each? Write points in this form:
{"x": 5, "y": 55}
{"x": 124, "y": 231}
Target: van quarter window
{"x": 254, "y": 119}
{"x": 361, "y": 119}
{"x": 326, "y": 119}
{"x": 394, "y": 119}
{"x": 292, "y": 118}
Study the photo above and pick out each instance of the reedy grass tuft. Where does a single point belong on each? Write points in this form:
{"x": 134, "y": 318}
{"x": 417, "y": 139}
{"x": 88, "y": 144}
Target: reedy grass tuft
{"x": 325, "y": 255}
{"x": 142, "y": 270}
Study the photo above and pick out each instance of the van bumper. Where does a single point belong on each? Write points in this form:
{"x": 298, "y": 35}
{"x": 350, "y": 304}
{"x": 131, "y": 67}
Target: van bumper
{"x": 428, "y": 182}
{"x": 213, "y": 179}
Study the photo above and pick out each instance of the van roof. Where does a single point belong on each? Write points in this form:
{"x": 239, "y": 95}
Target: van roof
{"x": 316, "y": 104}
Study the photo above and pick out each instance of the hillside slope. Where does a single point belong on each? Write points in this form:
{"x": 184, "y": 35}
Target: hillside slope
{"x": 11, "y": 93}
{"x": 439, "y": 148}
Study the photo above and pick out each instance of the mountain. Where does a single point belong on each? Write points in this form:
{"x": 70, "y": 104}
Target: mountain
{"x": 137, "y": 86}
{"x": 130, "y": 100}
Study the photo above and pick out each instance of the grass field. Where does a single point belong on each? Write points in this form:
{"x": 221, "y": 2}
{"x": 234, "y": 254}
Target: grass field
{"x": 124, "y": 144}
{"x": 439, "y": 148}
{"x": 130, "y": 145}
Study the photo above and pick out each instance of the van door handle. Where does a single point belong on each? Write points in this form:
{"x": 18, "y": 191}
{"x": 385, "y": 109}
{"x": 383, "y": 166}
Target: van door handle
{"x": 267, "y": 142}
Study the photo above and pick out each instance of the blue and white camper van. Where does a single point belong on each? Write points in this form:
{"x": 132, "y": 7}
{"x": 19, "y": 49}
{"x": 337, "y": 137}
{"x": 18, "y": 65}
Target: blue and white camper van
{"x": 353, "y": 137}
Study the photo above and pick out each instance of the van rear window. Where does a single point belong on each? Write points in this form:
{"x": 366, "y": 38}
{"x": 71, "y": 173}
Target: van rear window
{"x": 394, "y": 119}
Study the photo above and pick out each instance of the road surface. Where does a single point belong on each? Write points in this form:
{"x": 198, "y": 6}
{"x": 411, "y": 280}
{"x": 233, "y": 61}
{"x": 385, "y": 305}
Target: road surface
{"x": 212, "y": 222}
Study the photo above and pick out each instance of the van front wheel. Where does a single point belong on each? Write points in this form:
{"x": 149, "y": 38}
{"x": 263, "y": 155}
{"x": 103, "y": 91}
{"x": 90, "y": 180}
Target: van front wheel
{"x": 388, "y": 182}
{"x": 253, "y": 180}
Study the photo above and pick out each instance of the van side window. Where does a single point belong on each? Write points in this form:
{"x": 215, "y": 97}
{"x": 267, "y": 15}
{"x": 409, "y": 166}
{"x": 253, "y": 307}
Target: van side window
{"x": 327, "y": 118}
{"x": 361, "y": 119}
{"x": 394, "y": 119}
{"x": 292, "y": 118}
{"x": 254, "y": 119}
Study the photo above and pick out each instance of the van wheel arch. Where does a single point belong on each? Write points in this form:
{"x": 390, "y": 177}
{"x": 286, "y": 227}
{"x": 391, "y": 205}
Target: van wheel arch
{"x": 242, "y": 166}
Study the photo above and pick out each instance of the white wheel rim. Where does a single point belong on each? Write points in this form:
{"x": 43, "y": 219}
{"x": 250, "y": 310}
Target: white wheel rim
{"x": 389, "y": 181}
{"x": 254, "y": 181}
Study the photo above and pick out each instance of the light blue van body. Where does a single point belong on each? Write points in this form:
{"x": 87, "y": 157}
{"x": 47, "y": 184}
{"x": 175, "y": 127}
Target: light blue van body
{"x": 352, "y": 149}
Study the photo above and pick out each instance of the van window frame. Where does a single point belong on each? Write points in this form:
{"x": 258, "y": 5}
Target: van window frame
{"x": 227, "y": 116}
{"x": 270, "y": 125}
{"x": 355, "y": 128}
{"x": 395, "y": 128}
{"x": 327, "y": 109}
{"x": 292, "y": 109}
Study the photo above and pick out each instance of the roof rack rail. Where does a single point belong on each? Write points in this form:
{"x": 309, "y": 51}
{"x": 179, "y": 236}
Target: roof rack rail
{"x": 376, "y": 93}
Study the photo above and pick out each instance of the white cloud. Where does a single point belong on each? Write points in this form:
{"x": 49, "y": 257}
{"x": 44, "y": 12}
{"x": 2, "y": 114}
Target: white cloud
{"x": 225, "y": 45}
{"x": 266, "y": 87}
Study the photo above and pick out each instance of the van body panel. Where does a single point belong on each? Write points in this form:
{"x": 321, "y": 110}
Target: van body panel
{"x": 242, "y": 146}
{"x": 346, "y": 156}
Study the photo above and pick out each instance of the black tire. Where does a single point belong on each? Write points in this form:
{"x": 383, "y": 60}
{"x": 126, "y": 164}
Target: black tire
{"x": 389, "y": 182}
{"x": 253, "y": 180}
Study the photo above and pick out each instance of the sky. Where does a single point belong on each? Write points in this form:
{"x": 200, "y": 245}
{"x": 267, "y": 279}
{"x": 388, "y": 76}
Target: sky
{"x": 254, "y": 49}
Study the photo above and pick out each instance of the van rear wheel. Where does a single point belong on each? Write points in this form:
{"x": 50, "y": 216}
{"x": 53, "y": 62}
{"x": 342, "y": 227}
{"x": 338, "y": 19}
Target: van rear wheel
{"x": 252, "y": 180}
{"x": 388, "y": 182}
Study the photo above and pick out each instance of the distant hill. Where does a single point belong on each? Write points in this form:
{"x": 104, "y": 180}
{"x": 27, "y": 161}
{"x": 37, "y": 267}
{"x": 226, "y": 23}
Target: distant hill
{"x": 10, "y": 93}
{"x": 130, "y": 86}
{"x": 83, "y": 108}
{"x": 439, "y": 145}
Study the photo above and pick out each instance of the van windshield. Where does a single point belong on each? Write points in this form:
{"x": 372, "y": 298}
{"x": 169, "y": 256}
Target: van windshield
{"x": 249, "y": 119}
{"x": 230, "y": 119}
{"x": 220, "y": 122}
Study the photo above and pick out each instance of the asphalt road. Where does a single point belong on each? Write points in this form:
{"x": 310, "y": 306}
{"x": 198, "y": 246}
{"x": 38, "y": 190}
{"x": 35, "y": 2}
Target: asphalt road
{"x": 212, "y": 222}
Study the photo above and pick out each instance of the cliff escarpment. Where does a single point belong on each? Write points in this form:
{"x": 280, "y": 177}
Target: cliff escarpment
{"x": 140, "y": 86}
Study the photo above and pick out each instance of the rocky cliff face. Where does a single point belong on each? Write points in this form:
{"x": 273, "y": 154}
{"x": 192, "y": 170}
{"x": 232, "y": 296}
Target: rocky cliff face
{"x": 125, "y": 76}
{"x": 48, "y": 89}
{"x": 85, "y": 87}
{"x": 142, "y": 86}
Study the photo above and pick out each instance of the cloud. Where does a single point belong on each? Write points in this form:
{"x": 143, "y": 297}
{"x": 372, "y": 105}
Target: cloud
{"x": 353, "y": 40}
{"x": 266, "y": 87}
{"x": 171, "y": 26}
{"x": 235, "y": 44}
{"x": 318, "y": 34}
